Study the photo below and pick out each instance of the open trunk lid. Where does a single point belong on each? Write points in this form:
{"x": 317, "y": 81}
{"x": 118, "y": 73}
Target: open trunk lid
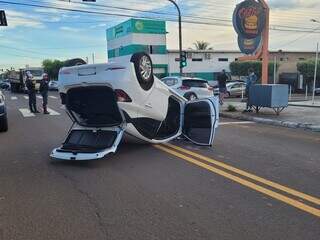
{"x": 98, "y": 124}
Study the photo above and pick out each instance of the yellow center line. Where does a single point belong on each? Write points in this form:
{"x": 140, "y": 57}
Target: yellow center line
{"x": 249, "y": 175}
{"x": 275, "y": 195}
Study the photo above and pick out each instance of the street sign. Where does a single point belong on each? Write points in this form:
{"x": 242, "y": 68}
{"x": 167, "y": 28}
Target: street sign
{"x": 3, "y": 19}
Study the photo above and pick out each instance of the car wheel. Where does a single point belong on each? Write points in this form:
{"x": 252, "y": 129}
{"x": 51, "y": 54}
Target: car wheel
{"x": 4, "y": 124}
{"x": 74, "y": 62}
{"x": 144, "y": 71}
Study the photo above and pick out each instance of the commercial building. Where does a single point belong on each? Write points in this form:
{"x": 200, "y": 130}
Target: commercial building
{"x": 140, "y": 35}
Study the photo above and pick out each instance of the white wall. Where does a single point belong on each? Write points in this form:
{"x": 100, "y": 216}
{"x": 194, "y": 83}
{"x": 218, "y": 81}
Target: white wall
{"x": 207, "y": 65}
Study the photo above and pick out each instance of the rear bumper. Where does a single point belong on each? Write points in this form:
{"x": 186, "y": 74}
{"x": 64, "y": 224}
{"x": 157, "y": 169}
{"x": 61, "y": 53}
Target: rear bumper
{"x": 59, "y": 155}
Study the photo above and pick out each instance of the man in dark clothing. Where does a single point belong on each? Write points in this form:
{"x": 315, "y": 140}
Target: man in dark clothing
{"x": 31, "y": 86}
{"x": 251, "y": 80}
{"x": 44, "y": 88}
{"x": 222, "y": 81}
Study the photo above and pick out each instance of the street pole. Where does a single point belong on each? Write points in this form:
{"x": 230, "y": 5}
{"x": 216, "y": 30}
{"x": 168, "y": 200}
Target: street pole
{"x": 315, "y": 74}
{"x": 92, "y": 58}
{"x": 274, "y": 69}
{"x": 180, "y": 34}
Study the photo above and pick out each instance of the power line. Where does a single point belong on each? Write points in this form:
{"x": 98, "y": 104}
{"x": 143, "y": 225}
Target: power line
{"x": 130, "y": 15}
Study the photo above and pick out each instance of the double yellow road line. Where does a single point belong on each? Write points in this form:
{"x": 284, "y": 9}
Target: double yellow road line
{"x": 267, "y": 187}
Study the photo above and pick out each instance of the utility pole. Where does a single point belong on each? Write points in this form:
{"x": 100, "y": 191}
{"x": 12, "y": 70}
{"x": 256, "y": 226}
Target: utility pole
{"x": 180, "y": 35}
{"x": 315, "y": 75}
{"x": 92, "y": 58}
{"x": 274, "y": 69}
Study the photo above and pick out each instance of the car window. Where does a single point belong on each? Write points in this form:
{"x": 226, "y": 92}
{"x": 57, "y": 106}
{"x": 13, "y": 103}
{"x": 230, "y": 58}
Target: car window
{"x": 237, "y": 85}
{"x": 195, "y": 83}
{"x": 170, "y": 81}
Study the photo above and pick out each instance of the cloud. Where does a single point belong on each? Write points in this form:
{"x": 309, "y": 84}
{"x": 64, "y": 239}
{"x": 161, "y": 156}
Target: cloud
{"x": 70, "y": 29}
{"x": 293, "y": 4}
{"x": 20, "y": 19}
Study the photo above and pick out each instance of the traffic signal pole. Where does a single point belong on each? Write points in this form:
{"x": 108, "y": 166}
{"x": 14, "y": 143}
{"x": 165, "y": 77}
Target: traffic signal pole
{"x": 180, "y": 36}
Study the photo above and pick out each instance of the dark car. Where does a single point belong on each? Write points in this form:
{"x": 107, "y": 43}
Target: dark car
{"x": 3, "y": 114}
{"x": 4, "y": 85}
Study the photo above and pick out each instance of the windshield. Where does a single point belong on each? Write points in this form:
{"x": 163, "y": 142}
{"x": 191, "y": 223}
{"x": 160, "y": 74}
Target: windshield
{"x": 36, "y": 73}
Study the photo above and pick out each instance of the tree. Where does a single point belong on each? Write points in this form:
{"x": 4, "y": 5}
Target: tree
{"x": 306, "y": 68}
{"x": 239, "y": 68}
{"x": 202, "y": 45}
{"x": 52, "y": 67}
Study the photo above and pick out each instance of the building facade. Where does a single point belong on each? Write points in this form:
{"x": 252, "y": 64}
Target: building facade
{"x": 140, "y": 35}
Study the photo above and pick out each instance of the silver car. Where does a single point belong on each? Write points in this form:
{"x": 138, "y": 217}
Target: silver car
{"x": 234, "y": 89}
{"x": 190, "y": 88}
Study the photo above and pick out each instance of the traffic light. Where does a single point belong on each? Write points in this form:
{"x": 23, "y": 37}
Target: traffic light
{"x": 3, "y": 19}
{"x": 183, "y": 59}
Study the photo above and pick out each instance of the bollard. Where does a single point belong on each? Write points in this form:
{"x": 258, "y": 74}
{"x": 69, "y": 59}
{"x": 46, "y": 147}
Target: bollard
{"x": 242, "y": 93}
{"x": 290, "y": 92}
{"x": 306, "y": 92}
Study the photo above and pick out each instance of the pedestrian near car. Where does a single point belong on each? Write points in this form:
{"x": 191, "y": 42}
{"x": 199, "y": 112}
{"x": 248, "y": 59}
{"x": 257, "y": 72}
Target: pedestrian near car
{"x": 31, "y": 86}
{"x": 222, "y": 81}
{"x": 44, "y": 88}
{"x": 251, "y": 80}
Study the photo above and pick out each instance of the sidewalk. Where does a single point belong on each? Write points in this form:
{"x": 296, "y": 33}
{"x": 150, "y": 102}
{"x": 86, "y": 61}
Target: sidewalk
{"x": 305, "y": 104}
{"x": 292, "y": 117}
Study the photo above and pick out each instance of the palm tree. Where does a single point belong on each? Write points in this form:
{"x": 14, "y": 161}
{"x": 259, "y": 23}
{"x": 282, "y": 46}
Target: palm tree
{"x": 202, "y": 45}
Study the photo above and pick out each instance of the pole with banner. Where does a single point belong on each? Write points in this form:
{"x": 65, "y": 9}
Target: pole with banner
{"x": 251, "y": 22}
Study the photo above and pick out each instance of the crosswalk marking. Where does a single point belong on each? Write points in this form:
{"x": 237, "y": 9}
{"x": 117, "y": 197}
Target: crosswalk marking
{"x": 53, "y": 97}
{"x": 26, "y": 97}
{"x": 26, "y": 112}
{"x": 53, "y": 112}
{"x": 14, "y": 98}
{"x": 39, "y": 97}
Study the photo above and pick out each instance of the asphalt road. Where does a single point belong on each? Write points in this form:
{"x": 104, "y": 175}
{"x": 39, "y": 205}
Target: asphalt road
{"x": 257, "y": 182}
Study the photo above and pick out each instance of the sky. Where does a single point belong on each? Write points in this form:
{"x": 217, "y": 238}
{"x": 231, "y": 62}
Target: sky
{"x": 35, "y": 33}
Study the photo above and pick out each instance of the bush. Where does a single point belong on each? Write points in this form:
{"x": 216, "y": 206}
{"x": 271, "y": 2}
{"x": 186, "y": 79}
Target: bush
{"x": 231, "y": 108}
{"x": 240, "y": 68}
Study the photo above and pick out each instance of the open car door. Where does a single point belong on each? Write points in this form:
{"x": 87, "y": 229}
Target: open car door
{"x": 98, "y": 124}
{"x": 201, "y": 118}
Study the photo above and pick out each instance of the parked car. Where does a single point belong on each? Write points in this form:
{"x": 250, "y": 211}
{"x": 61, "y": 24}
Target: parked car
{"x": 53, "y": 85}
{"x": 3, "y": 114}
{"x": 107, "y": 100}
{"x": 5, "y": 85}
{"x": 317, "y": 91}
{"x": 234, "y": 89}
{"x": 190, "y": 88}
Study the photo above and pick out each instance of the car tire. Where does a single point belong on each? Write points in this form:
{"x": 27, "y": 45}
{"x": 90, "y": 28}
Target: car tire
{"x": 4, "y": 124}
{"x": 191, "y": 96}
{"x": 74, "y": 62}
{"x": 144, "y": 70}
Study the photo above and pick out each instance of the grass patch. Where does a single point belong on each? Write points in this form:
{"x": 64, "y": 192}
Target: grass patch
{"x": 231, "y": 108}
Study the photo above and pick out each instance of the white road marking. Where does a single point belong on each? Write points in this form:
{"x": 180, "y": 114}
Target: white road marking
{"x": 26, "y": 97}
{"x": 14, "y": 98}
{"x": 235, "y": 123}
{"x": 53, "y": 97}
{"x": 26, "y": 112}
{"x": 53, "y": 112}
{"x": 39, "y": 97}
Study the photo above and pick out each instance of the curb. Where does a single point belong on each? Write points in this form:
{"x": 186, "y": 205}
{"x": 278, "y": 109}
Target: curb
{"x": 300, "y": 105}
{"x": 287, "y": 124}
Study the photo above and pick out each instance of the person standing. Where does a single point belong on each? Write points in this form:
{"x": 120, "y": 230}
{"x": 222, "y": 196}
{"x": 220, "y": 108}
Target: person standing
{"x": 44, "y": 88}
{"x": 222, "y": 81}
{"x": 31, "y": 86}
{"x": 251, "y": 80}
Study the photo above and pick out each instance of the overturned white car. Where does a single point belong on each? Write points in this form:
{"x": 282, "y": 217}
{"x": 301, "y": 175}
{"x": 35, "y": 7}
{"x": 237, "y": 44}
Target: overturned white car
{"x": 107, "y": 100}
